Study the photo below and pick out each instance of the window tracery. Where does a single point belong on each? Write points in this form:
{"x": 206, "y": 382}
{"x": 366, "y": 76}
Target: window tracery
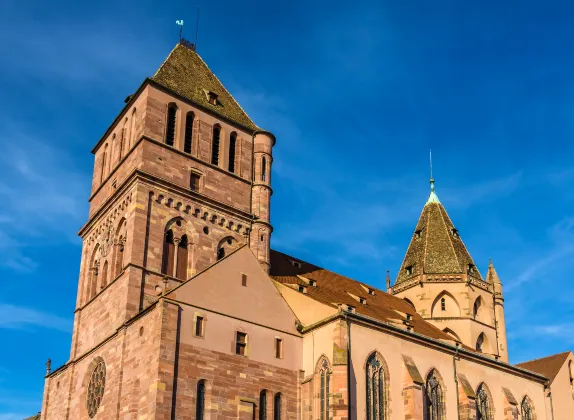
{"x": 526, "y": 410}
{"x": 434, "y": 407}
{"x": 324, "y": 374}
{"x": 375, "y": 388}
{"x": 96, "y": 388}
{"x": 483, "y": 411}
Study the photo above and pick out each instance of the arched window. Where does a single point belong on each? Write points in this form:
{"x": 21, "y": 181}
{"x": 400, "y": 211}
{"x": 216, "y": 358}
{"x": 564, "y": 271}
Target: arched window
{"x": 263, "y": 405}
{"x": 263, "y": 169}
{"x": 483, "y": 410}
{"x": 375, "y": 388}
{"x": 215, "y": 145}
{"x": 480, "y": 342}
{"x": 232, "y": 145}
{"x": 477, "y": 305}
{"x": 200, "y": 402}
{"x": 170, "y": 126}
{"x": 104, "y": 163}
{"x": 94, "y": 269}
{"x": 442, "y": 304}
{"x": 168, "y": 254}
{"x": 433, "y": 398}
{"x": 132, "y": 138}
{"x": 324, "y": 390}
{"x": 526, "y": 410}
{"x": 188, "y": 135}
{"x": 119, "y": 256}
{"x": 181, "y": 272}
{"x": 104, "y": 275}
{"x": 277, "y": 407}
{"x": 220, "y": 253}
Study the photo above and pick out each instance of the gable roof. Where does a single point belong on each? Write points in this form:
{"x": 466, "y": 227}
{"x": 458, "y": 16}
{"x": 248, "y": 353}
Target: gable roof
{"x": 186, "y": 74}
{"x": 219, "y": 288}
{"x": 334, "y": 289}
{"x": 548, "y": 366}
{"x": 436, "y": 246}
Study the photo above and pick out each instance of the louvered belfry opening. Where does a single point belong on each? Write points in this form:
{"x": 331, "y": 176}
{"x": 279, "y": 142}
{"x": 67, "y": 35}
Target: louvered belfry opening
{"x": 170, "y": 128}
{"x": 215, "y": 145}
{"x": 188, "y": 135}
{"x": 168, "y": 253}
{"x": 232, "y": 144}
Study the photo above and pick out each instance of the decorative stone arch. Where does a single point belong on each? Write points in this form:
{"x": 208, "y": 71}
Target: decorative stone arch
{"x": 181, "y": 235}
{"x": 118, "y": 257}
{"x": 479, "y": 311}
{"x": 447, "y": 301}
{"x": 484, "y": 403}
{"x": 527, "y": 410}
{"x": 434, "y": 399}
{"x": 227, "y": 245}
{"x": 385, "y": 412}
{"x": 483, "y": 344}
{"x": 410, "y": 303}
{"x": 93, "y": 272}
{"x": 452, "y": 334}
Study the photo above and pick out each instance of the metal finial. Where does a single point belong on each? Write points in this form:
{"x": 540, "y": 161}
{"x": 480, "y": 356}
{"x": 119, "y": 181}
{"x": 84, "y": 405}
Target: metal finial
{"x": 430, "y": 157}
{"x": 180, "y": 24}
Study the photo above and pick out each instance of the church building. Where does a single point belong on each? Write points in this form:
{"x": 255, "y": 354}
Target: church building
{"x": 184, "y": 311}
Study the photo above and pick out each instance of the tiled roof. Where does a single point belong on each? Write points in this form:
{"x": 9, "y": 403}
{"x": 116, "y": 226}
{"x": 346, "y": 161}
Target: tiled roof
{"x": 436, "y": 246}
{"x": 333, "y": 289}
{"x": 186, "y": 74}
{"x": 547, "y": 366}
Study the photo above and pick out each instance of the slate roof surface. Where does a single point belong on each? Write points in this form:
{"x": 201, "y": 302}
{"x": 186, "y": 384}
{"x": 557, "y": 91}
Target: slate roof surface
{"x": 333, "y": 289}
{"x": 185, "y": 73}
{"x": 547, "y": 366}
{"x": 436, "y": 247}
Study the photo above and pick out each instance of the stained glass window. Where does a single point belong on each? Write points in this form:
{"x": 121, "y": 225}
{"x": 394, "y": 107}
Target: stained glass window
{"x": 526, "y": 410}
{"x": 324, "y": 391}
{"x": 482, "y": 404}
{"x": 96, "y": 388}
{"x": 433, "y": 398}
{"x": 375, "y": 389}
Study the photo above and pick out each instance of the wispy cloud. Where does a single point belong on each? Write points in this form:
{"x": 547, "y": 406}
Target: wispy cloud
{"x": 17, "y": 317}
{"x": 42, "y": 198}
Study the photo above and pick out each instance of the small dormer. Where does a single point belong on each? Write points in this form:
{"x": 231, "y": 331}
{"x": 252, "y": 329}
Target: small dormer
{"x": 295, "y": 264}
{"x": 212, "y": 98}
{"x": 368, "y": 289}
{"x": 409, "y": 270}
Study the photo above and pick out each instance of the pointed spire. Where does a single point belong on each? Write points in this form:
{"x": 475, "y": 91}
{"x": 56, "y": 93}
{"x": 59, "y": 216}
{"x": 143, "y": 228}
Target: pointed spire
{"x": 433, "y": 198}
{"x": 492, "y": 275}
{"x": 388, "y": 281}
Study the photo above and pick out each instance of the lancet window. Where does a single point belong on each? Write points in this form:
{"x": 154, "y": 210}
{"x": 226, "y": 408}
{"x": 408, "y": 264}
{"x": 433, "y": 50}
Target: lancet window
{"x": 324, "y": 375}
{"x": 188, "y": 134}
{"x": 375, "y": 376}
{"x": 483, "y": 410}
{"x": 170, "y": 126}
{"x": 232, "y": 146}
{"x": 526, "y": 410}
{"x": 433, "y": 398}
{"x": 215, "y": 145}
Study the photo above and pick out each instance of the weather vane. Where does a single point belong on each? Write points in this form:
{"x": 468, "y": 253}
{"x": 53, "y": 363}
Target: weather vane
{"x": 180, "y": 24}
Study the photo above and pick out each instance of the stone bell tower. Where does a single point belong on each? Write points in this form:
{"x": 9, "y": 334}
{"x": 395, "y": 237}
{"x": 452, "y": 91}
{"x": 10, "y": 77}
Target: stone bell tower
{"x": 182, "y": 177}
{"x": 439, "y": 278}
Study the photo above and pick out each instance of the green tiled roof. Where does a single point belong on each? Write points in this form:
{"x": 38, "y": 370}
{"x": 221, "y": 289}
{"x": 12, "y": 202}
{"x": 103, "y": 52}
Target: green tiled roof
{"x": 436, "y": 246}
{"x": 186, "y": 74}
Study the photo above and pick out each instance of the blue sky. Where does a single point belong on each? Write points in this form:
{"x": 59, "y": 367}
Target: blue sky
{"x": 356, "y": 93}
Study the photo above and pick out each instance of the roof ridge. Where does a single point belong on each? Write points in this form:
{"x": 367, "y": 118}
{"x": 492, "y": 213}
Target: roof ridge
{"x": 545, "y": 357}
{"x": 165, "y": 61}
{"x": 232, "y": 97}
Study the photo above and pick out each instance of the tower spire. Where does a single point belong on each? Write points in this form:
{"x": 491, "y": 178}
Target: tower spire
{"x": 433, "y": 198}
